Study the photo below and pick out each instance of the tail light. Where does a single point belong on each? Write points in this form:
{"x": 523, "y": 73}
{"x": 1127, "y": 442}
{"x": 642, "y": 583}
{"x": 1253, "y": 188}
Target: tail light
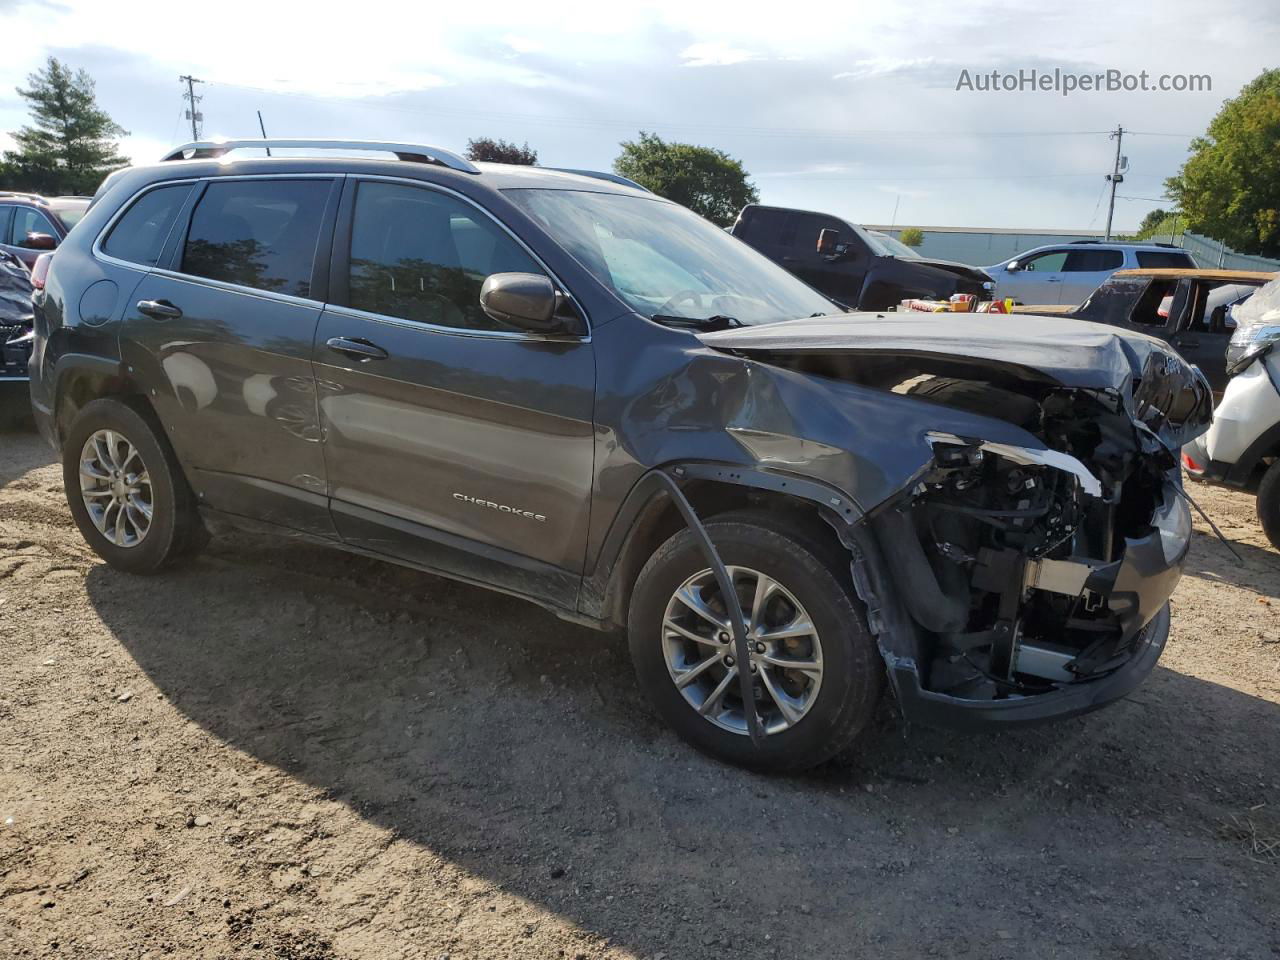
{"x": 40, "y": 270}
{"x": 1189, "y": 463}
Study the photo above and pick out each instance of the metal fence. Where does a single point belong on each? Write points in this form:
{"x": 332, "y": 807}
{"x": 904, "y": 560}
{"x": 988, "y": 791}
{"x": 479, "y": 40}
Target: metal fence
{"x": 1213, "y": 253}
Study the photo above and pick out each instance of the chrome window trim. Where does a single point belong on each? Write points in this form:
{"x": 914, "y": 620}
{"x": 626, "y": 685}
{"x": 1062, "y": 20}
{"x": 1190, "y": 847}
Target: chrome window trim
{"x": 340, "y": 309}
{"x": 105, "y": 257}
{"x": 237, "y": 288}
{"x": 561, "y": 286}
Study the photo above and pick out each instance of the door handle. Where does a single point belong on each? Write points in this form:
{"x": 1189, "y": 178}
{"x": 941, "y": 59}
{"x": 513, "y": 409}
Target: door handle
{"x": 1189, "y": 341}
{"x": 159, "y": 309}
{"x": 356, "y": 348}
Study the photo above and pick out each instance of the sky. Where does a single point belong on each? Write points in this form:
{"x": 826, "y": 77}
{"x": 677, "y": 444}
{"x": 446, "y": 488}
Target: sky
{"x": 848, "y": 108}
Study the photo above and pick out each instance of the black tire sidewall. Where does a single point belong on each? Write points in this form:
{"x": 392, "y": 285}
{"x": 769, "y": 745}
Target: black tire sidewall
{"x": 1269, "y": 503}
{"x": 852, "y": 668}
{"x": 162, "y": 541}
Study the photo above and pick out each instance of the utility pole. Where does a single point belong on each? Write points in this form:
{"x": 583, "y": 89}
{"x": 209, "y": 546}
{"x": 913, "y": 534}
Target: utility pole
{"x": 193, "y": 114}
{"x": 1115, "y": 176}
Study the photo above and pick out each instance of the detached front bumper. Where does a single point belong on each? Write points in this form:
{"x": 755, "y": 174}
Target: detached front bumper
{"x": 1136, "y": 589}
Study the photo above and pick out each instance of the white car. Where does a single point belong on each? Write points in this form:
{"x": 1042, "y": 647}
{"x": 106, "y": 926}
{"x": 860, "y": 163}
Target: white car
{"x": 1068, "y": 273}
{"x": 1242, "y": 446}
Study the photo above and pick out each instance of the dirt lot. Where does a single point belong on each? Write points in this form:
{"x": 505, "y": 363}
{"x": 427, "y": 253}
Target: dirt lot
{"x": 285, "y": 752}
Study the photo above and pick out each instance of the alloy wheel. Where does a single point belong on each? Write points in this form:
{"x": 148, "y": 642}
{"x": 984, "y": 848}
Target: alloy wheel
{"x": 785, "y": 650}
{"x": 116, "y": 488}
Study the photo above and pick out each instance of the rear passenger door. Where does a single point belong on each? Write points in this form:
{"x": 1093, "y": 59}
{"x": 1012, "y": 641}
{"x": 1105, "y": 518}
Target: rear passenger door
{"x": 449, "y": 440}
{"x": 1085, "y": 270}
{"x": 225, "y": 323}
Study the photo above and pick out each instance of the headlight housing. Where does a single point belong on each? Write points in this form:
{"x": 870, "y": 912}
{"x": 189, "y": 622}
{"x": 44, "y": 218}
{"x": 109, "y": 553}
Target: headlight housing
{"x": 1250, "y": 342}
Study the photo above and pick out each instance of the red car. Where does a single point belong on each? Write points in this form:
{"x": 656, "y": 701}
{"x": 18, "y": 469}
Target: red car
{"x": 31, "y": 224}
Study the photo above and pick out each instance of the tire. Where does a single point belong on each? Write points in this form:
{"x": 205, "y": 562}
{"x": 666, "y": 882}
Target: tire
{"x": 1269, "y": 503}
{"x": 811, "y": 574}
{"x": 173, "y": 530}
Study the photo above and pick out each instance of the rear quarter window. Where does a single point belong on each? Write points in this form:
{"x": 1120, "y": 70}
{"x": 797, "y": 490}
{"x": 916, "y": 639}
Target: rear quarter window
{"x": 139, "y": 235}
{"x": 1161, "y": 258}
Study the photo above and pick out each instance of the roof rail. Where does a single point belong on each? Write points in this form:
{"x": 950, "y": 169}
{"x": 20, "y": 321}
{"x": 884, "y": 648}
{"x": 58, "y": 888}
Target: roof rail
{"x": 22, "y": 194}
{"x": 601, "y": 175}
{"x": 411, "y": 152}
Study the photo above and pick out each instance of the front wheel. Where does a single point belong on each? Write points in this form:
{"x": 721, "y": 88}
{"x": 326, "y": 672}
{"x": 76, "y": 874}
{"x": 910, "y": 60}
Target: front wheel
{"x": 1269, "y": 503}
{"x": 816, "y": 673}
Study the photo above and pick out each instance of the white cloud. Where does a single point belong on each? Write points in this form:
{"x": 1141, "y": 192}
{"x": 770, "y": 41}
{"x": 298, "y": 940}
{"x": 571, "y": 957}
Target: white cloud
{"x": 884, "y": 66}
{"x": 715, "y": 54}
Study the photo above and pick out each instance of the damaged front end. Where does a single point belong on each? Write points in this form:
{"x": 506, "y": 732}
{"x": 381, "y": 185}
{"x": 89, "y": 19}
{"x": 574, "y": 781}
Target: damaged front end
{"x": 1016, "y": 582}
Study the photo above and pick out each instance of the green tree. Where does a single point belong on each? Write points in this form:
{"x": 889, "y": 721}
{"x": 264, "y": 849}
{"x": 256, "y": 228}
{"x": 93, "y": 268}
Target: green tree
{"x": 911, "y": 236}
{"x": 1151, "y": 221}
{"x": 707, "y": 181}
{"x": 1229, "y": 188}
{"x": 71, "y": 143}
{"x": 501, "y": 151}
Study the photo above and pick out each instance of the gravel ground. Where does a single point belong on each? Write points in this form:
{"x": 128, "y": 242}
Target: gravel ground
{"x": 280, "y": 751}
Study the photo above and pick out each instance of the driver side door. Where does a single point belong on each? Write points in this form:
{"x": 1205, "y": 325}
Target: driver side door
{"x": 1038, "y": 278}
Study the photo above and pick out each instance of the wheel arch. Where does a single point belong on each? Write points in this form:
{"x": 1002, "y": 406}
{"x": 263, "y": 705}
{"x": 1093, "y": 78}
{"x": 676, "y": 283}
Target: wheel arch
{"x": 81, "y": 378}
{"x": 648, "y": 517}
{"x": 1267, "y": 444}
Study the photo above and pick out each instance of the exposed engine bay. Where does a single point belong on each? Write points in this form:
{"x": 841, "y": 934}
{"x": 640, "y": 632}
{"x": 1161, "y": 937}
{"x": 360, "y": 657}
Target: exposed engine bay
{"x": 1023, "y": 569}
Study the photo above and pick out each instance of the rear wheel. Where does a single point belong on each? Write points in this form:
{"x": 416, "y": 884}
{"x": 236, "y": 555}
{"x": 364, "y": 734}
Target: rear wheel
{"x": 1269, "y": 503}
{"x": 126, "y": 491}
{"x": 816, "y": 673}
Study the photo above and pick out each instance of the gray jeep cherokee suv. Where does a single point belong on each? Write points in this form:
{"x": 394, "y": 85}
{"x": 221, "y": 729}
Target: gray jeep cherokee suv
{"x": 563, "y": 387}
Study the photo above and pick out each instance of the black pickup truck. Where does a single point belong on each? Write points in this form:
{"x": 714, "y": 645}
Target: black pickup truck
{"x": 858, "y": 267}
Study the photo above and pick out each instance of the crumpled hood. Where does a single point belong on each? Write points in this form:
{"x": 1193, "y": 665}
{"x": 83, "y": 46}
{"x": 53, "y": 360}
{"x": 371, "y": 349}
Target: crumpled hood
{"x": 1157, "y": 387}
{"x": 959, "y": 269}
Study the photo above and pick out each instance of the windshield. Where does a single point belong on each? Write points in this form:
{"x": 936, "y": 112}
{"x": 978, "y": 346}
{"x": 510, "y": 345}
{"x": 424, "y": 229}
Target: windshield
{"x": 666, "y": 261}
{"x": 888, "y": 246}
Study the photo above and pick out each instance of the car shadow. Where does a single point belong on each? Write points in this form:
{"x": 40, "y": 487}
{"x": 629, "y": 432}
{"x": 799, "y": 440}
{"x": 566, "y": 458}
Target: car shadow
{"x": 1241, "y": 564}
{"x": 22, "y": 449}
{"x": 490, "y": 733}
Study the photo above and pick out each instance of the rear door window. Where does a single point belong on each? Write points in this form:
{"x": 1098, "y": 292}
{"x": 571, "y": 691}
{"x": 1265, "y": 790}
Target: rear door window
{"x": 140, "y": 234}
{"x": 1160, "y": 258}
{"x": 257, "y": 233}
{"x": 1093, "y": 261}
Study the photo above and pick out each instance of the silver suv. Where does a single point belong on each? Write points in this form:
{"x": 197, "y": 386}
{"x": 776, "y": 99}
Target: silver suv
{"x": 1068, "y": 273}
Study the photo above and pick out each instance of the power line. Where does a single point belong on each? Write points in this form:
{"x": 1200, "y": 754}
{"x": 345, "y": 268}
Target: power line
{"x": 890, "y": 178}
{"x": 631, "y": 123}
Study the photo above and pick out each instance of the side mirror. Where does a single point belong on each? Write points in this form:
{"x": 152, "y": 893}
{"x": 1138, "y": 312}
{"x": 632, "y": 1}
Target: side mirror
{"x": 827, "y": 241}
{"x": 40, "y": 241}
{"x": 1013, "y": 267}
{"x": 527, "y": 302}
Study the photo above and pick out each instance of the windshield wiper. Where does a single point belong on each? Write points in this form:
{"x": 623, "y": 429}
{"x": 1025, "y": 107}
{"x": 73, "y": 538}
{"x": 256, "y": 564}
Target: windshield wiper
{"x": 717, "y": 322}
